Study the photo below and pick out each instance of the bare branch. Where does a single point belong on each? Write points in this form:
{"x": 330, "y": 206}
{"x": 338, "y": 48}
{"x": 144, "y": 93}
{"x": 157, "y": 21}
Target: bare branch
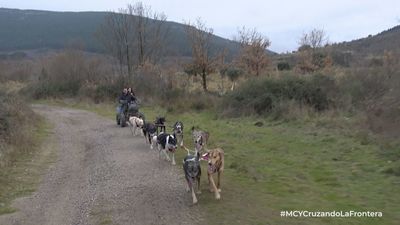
{"x": 253, "y": 56}
{"x": 316, "y": 38}
{"x": 199, "y": 36}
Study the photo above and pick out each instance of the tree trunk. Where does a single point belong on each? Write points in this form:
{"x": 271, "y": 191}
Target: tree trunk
{"x": 141, "y": 51}
{"x": 233, "y": 85}
{"x": 128, "y": 63}
{"x": 257, "y": 70}
{"x": 204, "y": 78}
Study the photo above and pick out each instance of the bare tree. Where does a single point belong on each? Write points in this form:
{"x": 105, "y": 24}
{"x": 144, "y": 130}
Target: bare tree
{"x": 199, "y": 36}
{"x": 151, "y": 32}
{"x": 316, "y": 38}
{"x": 253, "y": 56}
{"x": 116, "y": 35}
{"x": 311, "y": 55}
{"x": 134, "y": 35}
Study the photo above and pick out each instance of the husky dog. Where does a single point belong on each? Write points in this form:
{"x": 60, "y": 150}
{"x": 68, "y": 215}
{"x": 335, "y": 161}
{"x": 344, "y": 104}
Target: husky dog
{"x": 149, "y": 131}
{"x": 192, "y": 170}
{"x": 166, "y": 143}
{"x": 160, "y": 123}
{"x": 200, "y": 139}
{"x": 178, "y": 131}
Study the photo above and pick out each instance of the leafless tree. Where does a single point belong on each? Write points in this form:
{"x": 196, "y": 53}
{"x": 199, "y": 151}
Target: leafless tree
{"x": 116, "y": 36}
{"x": 316, "y": 38}
{"x": 312, "y": 56}
{"x": 199, "y": 36}
{"x": 134, "y": 35}
{"x": 151, "y": 32}
{"x": 253, "y": 56}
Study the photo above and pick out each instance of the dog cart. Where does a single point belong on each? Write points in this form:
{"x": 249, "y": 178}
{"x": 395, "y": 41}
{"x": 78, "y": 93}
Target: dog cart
{"x": 127, "y": 110}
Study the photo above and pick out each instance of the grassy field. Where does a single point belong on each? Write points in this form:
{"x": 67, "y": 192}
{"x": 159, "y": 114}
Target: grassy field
{"x": 22, "y": 177}
{"x": 307, "y": 165}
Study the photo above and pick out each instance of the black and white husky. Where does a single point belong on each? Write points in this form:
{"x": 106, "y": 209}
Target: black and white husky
{"x": 178, "y": 132}
{"x": 166, "y": 144}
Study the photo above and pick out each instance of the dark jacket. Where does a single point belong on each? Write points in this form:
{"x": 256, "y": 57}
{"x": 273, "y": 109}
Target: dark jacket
{"x": 123, "y": 97}
{"x": 131, "y": 97}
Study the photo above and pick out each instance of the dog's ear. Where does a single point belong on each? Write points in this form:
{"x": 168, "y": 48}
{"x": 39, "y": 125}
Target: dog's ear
{"x": 207, "y": 135}
{"x": 192, "y": 128}
{"x": 221, "y": 154}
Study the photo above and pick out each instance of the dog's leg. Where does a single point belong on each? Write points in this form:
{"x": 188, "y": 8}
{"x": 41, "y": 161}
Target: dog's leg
{"x": 150, "y": 142}
{"x": 166, "y": 154}
{"x": 187, "y": 185}
{"x": 193, "y": 195}
{"x": 182, "y": 140}
{"x": 173, "y": 159}
{"x": 145, "y": 136}
{"x": 198, "y": 185}
{"x": 159, "y": 150}
{"x": 209, "y": 182}
{"x": 130, "y": 127}
{"x": 154, "y": 141}
{"x": 219, "y": 181}
{"x": 214, "y": 188}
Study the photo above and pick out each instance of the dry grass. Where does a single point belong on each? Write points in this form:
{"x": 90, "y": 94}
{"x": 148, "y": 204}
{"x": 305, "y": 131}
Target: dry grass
{"x": 22, "y": 158}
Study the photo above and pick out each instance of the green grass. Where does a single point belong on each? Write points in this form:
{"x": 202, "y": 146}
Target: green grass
{"x": 22, "y": 177}
{"x": 288, "y": 166}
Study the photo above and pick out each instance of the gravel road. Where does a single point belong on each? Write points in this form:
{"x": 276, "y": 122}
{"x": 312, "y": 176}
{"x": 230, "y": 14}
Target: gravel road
{"x": 103, "y": 175}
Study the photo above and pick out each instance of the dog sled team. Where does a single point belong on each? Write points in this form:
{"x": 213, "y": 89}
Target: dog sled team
{"x": 166, "y": 143}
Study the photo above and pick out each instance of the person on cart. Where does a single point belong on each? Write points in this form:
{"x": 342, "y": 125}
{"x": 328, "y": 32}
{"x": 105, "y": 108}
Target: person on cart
{"x": 123, "y": 98}
{"x": 132, "y": 97}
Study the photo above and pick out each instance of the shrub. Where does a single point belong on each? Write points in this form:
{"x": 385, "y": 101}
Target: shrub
{"x": 15, "y": 127}
{"x": 260, "y": 96}
{"x": 283, "y": 66}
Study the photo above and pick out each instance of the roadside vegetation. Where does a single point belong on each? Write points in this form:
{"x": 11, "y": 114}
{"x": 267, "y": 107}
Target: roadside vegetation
{"x": 23, "y": 158}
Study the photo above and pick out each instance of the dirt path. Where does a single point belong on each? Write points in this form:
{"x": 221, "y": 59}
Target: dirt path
{"x": 103, "y": 175}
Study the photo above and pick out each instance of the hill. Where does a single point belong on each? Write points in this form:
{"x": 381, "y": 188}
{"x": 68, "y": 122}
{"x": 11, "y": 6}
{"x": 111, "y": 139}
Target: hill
{"x": 374, "y": 44}
{"x": 35, "y": 29}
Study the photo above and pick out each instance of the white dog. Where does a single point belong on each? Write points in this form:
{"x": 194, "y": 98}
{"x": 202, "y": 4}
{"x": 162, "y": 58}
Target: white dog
{"x": 136, "y": 123}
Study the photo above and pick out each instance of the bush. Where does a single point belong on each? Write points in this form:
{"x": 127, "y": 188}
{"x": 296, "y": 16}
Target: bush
{"x": 283, "y": 66}
{"x": 16, "y": 120}
{"x": 260, "y": 96}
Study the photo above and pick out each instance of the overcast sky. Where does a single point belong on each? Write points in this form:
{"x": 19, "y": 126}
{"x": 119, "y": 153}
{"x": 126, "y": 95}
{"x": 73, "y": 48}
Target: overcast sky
{"x": 282, "y": 21}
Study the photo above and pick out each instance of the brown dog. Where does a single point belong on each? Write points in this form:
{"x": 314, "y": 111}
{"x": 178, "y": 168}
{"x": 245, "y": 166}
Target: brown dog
{"x": 215, "y": 158}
